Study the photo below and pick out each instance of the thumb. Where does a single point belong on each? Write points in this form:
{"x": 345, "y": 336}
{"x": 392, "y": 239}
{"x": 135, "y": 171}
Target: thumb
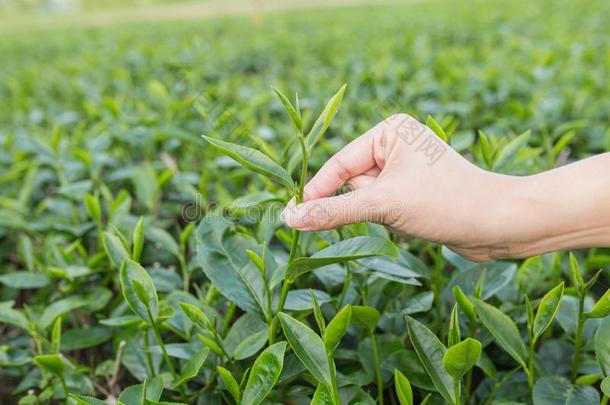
{"x": 328, "y": 213}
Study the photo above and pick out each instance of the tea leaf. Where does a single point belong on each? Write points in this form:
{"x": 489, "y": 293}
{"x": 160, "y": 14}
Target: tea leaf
{"x": 85, "y": 400}
{"x": 601, "y": 343}
{"x": 556, "y": 390}
{"x": 12, "y": 316}
{"x": 139, "y": 291}
{"x": 431, "y": 351}
{"x": 547, "y": 311}
{"x": 461, "y": 357}
{"x": 403, "y": 388}
{"x": 52, "y": 363}
{"x": 197, "y": 316}
{"x": 605, "y": 386}
{"x": 253, "y": 160}
{"x": 464, "y": 303}
{"x": 294, "y": 114}
{"x": 265, "y": 373}
{"x": 454, "y": 335}
{"x": 191, "y": 368}
{"x": 222, "y": 256}
{"x": 323, "y": 122}
{"x": 367, "y": 317}
{"x": 577, "y": 279}
{"x": 343, "y": 251}
{"x": 509, "y": 152}
{"x": 436, "y": 128}
{"x": 308, "y": 347}
{"x": 229, "y": 382}
{"x": 601, "y": 309}
{"x": 24, "y": 280}
{"x": 138, "y": 240}
{"x": 322, "y": 396}
{"x": 337, "y": 328}
{"x": 503, "y": 329}
{"x": 115, "y": 249}
{"x": 317, "y": 313}
{"x": 319, "y": 127}
{"x": 250, "y": 345}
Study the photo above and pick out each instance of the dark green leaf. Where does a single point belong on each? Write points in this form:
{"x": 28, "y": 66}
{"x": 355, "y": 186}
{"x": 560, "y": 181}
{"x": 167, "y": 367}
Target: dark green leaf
{"x": 503, "y": 329}
{"x": 343, "y": 251}
{"x": 337, "y": 328}
{"x": 431, "y": 351}
{"x": 461, "y": 357}
{"x": 142, "y": 300}
{"x": 253, "y": 160}
{"x": 24, "y": 280}
{"x": 547, "y": 310}
{"x": 229, "y": 382}
{"x": 556, "y": 390}
{"x": 191, "y": 368}
{"x": 308, "y": 347}
{"x": 403, "y": 388}
{"x": 265, "y": 373}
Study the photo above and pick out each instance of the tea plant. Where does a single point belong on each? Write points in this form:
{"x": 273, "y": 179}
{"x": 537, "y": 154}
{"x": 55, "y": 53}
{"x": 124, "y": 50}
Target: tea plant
{"x": 144, "y": 265}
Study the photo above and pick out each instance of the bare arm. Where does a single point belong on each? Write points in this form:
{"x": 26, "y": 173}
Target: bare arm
{"x": 403, "y": 176}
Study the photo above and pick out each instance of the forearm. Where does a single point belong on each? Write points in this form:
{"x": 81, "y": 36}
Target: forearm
{"x": 564, "y": 208}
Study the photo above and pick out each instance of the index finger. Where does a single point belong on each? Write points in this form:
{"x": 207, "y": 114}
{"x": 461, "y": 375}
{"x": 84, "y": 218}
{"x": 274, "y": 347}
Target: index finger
{"x": 354, "y": 159}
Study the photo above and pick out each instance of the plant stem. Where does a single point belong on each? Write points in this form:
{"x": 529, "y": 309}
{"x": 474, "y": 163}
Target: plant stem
{"x": 185, "y": 273}
{"x": 166, "y": 358}
{"x": 149, "y": 362}
{"x": 456, "y": 390}
{"x": 226, "y": 323}
{"x": 437, "y": 278}
{"x": 530, "y": 364}
{"x": 578, "y": 335}
{"x": 471, "y": 332}
{"x": 346, "y": 283}
{"x": 294, "y": 247}
{"x": 378, "y": 376}
{"x": 274, "y": 323}
{"x": 604, "y": 400}
{"x": 498, "y": 385}
{"x": 333, "y": 378}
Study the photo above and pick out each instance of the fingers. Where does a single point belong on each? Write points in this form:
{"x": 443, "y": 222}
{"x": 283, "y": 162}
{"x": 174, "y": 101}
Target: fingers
{"x": 328, "y": 213}
{"x": 354, "y": 159}
{"x": 359, "y": 182}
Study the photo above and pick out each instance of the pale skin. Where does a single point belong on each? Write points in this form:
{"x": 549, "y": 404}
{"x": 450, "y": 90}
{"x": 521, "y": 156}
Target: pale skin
{"x": 442, "y": 197}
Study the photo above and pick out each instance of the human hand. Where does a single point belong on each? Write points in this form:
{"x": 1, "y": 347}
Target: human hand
{"x": 402, "y": 175}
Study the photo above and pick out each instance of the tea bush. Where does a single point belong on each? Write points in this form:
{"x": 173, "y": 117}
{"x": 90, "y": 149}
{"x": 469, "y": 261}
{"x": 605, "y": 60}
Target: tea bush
{"x": 146, "y": 265}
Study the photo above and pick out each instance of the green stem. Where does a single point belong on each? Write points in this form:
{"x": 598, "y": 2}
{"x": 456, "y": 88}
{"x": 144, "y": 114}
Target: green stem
{"x": 378, "y": 376}
{"x": 437, "y": 278}
{"x": 530, "y": 364}
{"x": 166, "y": 358}
{"x": 346, "y": 283}
{"x": 294, "y": 247}
{"x": 471, "y": 332}
{"x": 226, "y": 323}
{"x": 148, "y": 356}
{"x": 333, "y": 379}
{"x": 499, "y": 385}
{"x": 62, "y": 380}
{"x": 185, "y": 273}
{"x": 604, "y": 400}
{"x": 274, "y": 323}
{"x": 578, "y": 336}
{"x": 456, "y": 390}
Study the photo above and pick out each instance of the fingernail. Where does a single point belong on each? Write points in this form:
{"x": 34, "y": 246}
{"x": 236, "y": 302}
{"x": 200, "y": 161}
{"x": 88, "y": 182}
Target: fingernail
{"x": 288, "y": 211}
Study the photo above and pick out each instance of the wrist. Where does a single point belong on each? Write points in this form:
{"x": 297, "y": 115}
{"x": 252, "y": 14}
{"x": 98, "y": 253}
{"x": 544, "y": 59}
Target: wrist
{"x": 555, "y": 210}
